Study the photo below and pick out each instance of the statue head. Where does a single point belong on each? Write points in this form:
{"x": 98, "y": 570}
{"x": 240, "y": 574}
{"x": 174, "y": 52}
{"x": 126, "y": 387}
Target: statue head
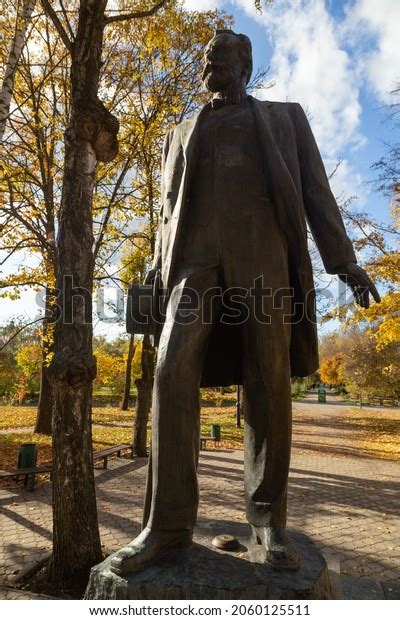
{"x": 227, "y": 61}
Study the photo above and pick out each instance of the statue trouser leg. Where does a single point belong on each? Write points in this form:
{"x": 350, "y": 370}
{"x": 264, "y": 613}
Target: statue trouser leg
{"x": 172, "y": 492}
{"x": 172, "y": 489}
{"x": 267, "y": 425}
{"x": 267, "y": 430}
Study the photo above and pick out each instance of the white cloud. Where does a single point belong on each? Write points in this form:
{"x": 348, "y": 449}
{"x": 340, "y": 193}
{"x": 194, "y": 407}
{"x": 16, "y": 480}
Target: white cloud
{"x": 203, "y": 5}
{"x": 380, "y": 23}
{"x": 310, "y": 65}
{"x": 346, "y": 182}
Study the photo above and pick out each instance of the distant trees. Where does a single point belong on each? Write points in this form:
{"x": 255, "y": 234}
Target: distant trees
{"x": 29, "y": 362}
{"x": 20, "y": 361}
{"x": 352, "y": 359}
{"x": 366, "y": 357}
{"x": 111, "y": 356}
{"x": 331, "y": 369}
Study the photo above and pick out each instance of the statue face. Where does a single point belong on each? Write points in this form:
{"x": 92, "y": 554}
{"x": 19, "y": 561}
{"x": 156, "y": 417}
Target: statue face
{"x": 222, "y": 63}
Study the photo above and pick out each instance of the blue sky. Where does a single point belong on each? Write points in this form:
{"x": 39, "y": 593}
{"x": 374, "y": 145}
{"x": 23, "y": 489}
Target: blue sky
{"x": 339, "y": 59}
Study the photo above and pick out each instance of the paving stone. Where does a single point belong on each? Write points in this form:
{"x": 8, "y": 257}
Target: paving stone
{"x": 13, "y": 594}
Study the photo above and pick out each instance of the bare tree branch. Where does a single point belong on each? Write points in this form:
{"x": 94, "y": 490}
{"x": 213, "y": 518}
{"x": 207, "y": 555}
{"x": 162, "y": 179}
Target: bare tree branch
{"x": 57, "y": 23}
{"x": 21, "y": 329}
{"x": 71, "y": 32}
{"x": 136, "y": 14}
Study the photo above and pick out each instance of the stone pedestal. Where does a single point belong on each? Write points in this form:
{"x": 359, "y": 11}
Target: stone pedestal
{"x": 202, "y": 572}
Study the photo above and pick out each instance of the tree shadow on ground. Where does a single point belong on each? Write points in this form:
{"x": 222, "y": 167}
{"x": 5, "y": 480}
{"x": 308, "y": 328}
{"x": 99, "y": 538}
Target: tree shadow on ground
{"x": 359, "y": 424}
{"x": 328, "y": 488}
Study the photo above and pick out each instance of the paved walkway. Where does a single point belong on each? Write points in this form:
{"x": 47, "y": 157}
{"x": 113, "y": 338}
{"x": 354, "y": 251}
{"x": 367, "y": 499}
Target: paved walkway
{"x": 348, "y": 505}
{"x": 14, "y": 594}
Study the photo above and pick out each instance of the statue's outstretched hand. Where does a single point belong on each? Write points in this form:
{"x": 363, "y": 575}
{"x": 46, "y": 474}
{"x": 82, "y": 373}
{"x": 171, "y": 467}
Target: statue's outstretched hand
{"x": 360, "y": 283}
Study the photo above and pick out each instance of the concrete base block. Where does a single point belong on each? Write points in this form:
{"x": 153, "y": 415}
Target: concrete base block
{"x": 203, "y": 572}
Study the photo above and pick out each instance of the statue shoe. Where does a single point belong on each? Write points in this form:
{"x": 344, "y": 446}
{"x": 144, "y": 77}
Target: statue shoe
{"x": 147, "y": 547}
{"x": 280, "y": 552}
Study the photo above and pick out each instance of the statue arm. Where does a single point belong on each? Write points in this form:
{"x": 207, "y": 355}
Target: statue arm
{"x": 322, "y": 211}
{"x": 157, "y": 245}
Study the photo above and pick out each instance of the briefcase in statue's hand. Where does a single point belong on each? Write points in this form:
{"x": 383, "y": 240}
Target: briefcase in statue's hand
{"x": 142, "y": 309}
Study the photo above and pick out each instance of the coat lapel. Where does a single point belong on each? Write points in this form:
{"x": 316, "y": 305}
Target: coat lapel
{"x": 189, "y": 140}
{"x": 281, "y": 186}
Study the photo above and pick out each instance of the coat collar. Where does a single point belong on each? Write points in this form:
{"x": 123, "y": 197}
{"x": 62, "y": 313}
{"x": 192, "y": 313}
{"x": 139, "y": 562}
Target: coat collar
{"x": 258, "y": 103}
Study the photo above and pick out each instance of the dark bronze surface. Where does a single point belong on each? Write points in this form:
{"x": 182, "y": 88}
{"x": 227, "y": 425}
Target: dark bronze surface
{"x": 239, "y": 181}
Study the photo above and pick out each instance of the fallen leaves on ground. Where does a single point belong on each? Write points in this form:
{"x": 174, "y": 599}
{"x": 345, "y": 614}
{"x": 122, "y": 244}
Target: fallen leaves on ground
{"x": 348, "y": 432}
{"x": 10, "y": 444}
{"x": 17, "y": 417}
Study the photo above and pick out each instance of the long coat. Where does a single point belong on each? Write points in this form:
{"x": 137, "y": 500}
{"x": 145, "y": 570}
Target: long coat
{"x": 298, "y": 188}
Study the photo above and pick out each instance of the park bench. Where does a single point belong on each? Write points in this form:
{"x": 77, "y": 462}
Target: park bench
{"x": 107, "y": 452}
{"x": 204, "y": 439}
{"x": 30, "y": 473}
{"x": 385, "y": 400}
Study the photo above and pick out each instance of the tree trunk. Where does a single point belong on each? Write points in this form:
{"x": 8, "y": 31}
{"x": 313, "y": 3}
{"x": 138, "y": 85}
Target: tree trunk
{"x": 90, "y": 137}
{"x": 45, "y": 406}
{"x": 13, "y": 57}
{"x": 144, "y": 393}
{"x": 46, "y": 401}
{"x": 128, "y": 374}
{"x": 239, "y": 406}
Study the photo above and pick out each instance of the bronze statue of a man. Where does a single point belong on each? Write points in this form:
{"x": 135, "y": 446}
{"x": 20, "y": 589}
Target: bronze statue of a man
{"x": 239, "y": 182}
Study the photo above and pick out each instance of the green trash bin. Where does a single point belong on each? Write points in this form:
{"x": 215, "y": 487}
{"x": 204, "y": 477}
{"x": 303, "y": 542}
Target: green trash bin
{"x": 322, "y": 395}
{"x": 216, "y": 432}
{"x": 27, "y": 458}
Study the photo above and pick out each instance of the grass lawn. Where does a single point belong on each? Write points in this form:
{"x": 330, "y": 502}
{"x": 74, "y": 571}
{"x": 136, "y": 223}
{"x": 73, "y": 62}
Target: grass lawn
{"x": 360, "y": 432}
{"x": 110, "y": 426}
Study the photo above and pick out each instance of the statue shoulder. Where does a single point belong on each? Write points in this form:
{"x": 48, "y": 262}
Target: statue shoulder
{"x": 184, "y": 124}
{"x": 280, "y": 106}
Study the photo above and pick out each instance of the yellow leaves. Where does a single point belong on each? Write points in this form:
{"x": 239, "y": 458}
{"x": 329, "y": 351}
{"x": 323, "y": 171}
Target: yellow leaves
{"x": 391, "y": 370}
{"x": 331, "y": 369}
{"x": 109, "y": 367}
{"x": 361, "y": 363}
{"x": 29, "y": 359}
{"x": 26, "y": 276}
{"x": 386, "y": 267}
{"x": 111, "y": 415}
{"x": 384, "y": 318}
{"x": 17, "y": 417}
{"x": 359, "y": 432}
{"x": 388, "y": 331}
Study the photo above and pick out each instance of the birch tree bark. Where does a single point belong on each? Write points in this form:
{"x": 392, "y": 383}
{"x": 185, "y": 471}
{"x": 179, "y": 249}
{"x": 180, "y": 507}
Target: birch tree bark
{"x": 13, "y": 57}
